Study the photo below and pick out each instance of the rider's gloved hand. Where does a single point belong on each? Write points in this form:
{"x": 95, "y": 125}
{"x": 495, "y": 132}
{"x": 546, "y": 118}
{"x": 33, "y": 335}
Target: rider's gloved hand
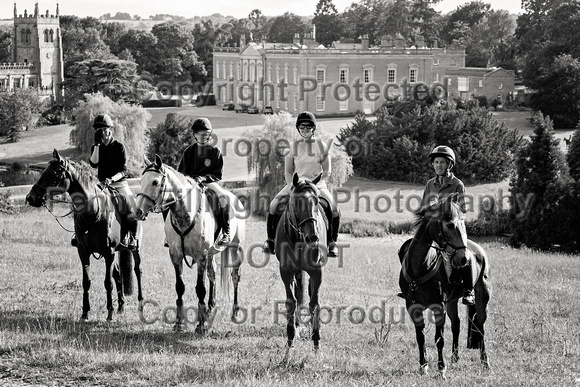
{"x": 108, "y": 181}
{"x": 98, "y": 136}
{"x": 200, "y": 179}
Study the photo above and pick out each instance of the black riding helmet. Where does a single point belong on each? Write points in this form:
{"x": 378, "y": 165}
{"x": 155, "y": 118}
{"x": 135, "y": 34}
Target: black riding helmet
{"x": 102, "y": 121}
{"x": 305, "y": 117}
{"x": 443, "y": 151}
{"x": 201, "y": 125}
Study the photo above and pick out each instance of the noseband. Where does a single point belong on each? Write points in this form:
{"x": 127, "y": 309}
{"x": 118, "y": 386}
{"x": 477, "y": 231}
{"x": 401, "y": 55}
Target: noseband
{"x": 157, "y": 207}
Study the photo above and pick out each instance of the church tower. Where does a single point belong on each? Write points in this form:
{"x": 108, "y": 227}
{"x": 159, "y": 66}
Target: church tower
{"x": 37, "y": 44}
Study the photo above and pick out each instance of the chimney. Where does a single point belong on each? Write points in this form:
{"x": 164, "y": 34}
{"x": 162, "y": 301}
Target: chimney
{"x": 419, "y": 42}
{"x": 296, "y": 39}
{"x": 386, "y": 41}
{"x": 365, "y": 42}
{"x": 399, "y": 41}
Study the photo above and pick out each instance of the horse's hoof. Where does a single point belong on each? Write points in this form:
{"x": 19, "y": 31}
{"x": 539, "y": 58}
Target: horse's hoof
{"x": 441, "y": 375}
{"x": 454, "y": 358}
{"x": 200, "y": 330}
{"x": 121, "y": 310}
{"x": 485, "y": 364}
{"x": 84, "y": 317}
{"x": 424, "y": 369}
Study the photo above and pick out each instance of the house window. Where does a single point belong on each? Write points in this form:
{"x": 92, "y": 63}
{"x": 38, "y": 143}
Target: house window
{"x": 245, "y": 74}
{"x": 320, "y": 103}
{"x": 391, "y": 75}
{"x": 277, "y": 73}
{"x": 342, "y": 93}
{"x": 51, "y": 36}
{"x": 413, "y": 73}
{"x": 238, "y": 72}
{"x": 224, "y": 68}
{"x": 217, "y": 69}
{"x": 286, "y": 78}
{"x": 295, "y": 75}
{"x": 436, "y": 77}
{"x": 231, "y": 70}
{"x": 295, "y": 102}
{"x": 320, "y": 76}
{"x": 462, "y": 84}
{"x": 481, "y": 83}
{"x": 260, "y": 74}
{"x": 269, "y": 75}
{"x": 252, "y": 72}
{"x": 436, "y": 62}
{"x": 367, "y": 75}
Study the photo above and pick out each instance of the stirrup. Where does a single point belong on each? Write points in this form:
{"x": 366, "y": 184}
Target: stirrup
{"x": 165, "y": 244}
{"x": 225, "y": 239}
{"x": 74, "y": 241}
{"x": 268, "y": 246}
{"x": 468, "y": 298}
{"x": 332, "y": 250}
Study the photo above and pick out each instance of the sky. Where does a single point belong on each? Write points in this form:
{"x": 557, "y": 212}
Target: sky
{"x": 189, "y": 9}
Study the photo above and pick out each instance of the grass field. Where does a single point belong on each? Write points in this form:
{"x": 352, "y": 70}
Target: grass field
{"x": 533, "y": 330}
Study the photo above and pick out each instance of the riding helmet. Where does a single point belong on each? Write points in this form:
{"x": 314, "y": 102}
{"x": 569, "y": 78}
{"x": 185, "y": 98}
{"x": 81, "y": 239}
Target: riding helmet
{"x": 201, "y": 124}
{"x": 443, "y": 151}
{"x": 102, "y": 121}
{"x": 305, "y": 117}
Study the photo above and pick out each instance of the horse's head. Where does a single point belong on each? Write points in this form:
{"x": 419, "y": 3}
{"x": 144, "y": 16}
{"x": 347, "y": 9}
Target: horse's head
{"x": 150, "y": 197}
{"x": 446, "y": 226}
{"x": 53, "y": 180}
{"x": 303, "y": 208}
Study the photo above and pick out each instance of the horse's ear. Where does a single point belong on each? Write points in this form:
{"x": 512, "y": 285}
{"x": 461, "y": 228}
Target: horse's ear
{"x": 146, "y": 160}
{"x": 158, "y": 161}
{"x": 295, "y": 179}
{"x": 315, "y": 181}
{"x": 55, "y": 155}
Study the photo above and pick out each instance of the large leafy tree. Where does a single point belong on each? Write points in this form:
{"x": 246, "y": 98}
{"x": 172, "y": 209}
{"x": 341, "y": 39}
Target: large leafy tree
{"x": 112, "y": 33}
{"x": 175, "y": 49}
{"x": 19, "y": 109}
{"x": 283, "y": 28}
{"x": 115, "y": 79}
{"x": 329, "y": 25}
{"x": 81, "y": 40}
{"x": 5, "y": 47}
{"x": 141, "y": 45}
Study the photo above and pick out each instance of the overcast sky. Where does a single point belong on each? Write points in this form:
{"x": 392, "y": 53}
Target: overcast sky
{"x": 188, "y": 9}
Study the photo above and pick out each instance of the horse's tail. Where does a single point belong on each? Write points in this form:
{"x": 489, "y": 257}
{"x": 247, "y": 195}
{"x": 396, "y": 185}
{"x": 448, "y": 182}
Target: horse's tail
{"x": 474, "y": 329}
{"x": 226, "y": 269}
{"x": 126, "y": 269}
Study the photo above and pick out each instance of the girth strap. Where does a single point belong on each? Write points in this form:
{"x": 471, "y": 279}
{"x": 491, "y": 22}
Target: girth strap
{"x": 182, "y": 235}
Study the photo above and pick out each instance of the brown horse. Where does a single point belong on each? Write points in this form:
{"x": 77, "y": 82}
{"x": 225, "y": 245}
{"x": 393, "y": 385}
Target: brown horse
{"x": 97, "y": 227}
{"x": 301, "y": 246}
{"x": 440, "y": 236}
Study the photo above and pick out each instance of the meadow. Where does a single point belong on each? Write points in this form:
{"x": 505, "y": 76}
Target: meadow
{"x": 532, "y": 332}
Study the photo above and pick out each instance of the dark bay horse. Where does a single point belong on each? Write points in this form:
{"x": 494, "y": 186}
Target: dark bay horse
{"x": 97, "y": 226}
{"x": 440, "y": 235}
{"x": 191, "y": 230}
{"x": 301, "y": 246}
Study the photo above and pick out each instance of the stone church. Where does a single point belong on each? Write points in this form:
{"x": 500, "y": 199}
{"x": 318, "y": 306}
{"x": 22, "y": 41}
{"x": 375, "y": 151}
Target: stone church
{"x": 36, "y": 55}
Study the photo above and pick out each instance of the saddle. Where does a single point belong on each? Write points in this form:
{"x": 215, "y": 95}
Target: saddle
{"x": 216, "y": 209}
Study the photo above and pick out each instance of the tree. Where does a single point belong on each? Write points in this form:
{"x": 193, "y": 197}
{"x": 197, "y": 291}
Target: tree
{"x": 284, "y": 27}
{"x": 558, "y": 94}
{"x": 141, "y": 45}
{"x": 130, "y": 127}
{"x": 112, "y": 33}
{"x": 175, "y": 49}
{"x": 5, "y": 47}
{"x": 19, "y": 110}
{"x": 115, "y": 79}
{"x": 257, "y": 21}
{"x": 329, "y": 26}
{"x": 541, "y": 199}
{"x": 81, "y": 40}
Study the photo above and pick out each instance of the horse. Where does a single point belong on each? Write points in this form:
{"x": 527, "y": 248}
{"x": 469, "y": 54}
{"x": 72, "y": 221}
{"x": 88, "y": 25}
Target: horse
{"x": 97, "y": 225}
{"x": 441, "y": 235}
{"x": 191, "y": 230}
{"x": 300, "y": 245}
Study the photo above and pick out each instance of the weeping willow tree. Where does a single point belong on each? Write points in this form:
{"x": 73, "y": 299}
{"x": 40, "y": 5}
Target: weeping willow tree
{"x": 269, "y": 146}
{"x": 130, "y": 127}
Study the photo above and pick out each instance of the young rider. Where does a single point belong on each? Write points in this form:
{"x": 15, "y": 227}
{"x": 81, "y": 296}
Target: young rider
{"x": 204, "y": 163}
{"x": 308, "y": 158}
{"x": 439, "y": 187}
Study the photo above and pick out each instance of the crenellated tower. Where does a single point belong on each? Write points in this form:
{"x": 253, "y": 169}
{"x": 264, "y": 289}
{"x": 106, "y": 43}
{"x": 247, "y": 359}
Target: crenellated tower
{"x": 37, "y": 44}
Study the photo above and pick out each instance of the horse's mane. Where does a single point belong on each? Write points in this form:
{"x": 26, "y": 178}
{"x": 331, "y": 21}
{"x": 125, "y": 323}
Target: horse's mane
{"x": 82, "y": 173}
{"x": 168, "y": 167}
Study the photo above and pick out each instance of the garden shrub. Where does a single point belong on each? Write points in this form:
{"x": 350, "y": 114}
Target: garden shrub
{"x": 397, "y": 144}
{"x": 130, "y": 127}
{"x": 543, "y": 206}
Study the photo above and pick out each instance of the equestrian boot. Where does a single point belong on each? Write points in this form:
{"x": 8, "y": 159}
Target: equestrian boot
{"x": 468, "y": 293}
{"x": 225, "y": 225}
{"x": 271, "y": 223}
{"x": 74, "y": 241}
{"x": 333, "y": 235}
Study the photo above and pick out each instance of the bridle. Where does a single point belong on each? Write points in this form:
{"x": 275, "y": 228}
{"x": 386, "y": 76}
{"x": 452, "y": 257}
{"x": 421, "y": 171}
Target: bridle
{"x": 293, "y": 222}
{"x": 158, "y": 205}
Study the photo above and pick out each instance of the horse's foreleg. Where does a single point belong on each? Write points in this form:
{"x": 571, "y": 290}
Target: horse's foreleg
{"x": 201, "y": 291}
{"x": 289, "y": 284}
{"x": 109, "y": 262}
{"x": 179, "y": 289}
{"x": 85, "y": 261}
{"x": 236, "y": 275}
{"x": 439, "y": 315}
{"x": 118, "y": 284}
{"x": 313, "y": 289}
{"x": 138, "y": 273}
{"x": 453, "y": 313}
{"x": 424, "y": 366}
{"x": 211, "y": 277}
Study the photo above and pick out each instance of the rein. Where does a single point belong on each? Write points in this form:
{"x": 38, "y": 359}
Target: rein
{"x": 184, "y": 234}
